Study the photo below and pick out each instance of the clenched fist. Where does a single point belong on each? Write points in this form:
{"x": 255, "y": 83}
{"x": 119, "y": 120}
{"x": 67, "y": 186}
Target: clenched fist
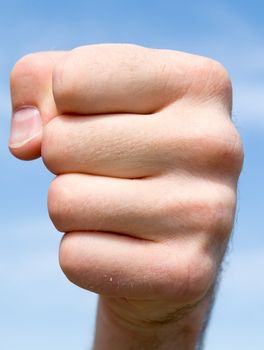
{"x": 146, "y": 161}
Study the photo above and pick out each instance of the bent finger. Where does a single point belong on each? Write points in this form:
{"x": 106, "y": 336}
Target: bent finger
{"x": 112, "y": 78}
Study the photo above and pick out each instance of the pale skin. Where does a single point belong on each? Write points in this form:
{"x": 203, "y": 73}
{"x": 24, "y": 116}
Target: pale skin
{"x": 147, "y": 161}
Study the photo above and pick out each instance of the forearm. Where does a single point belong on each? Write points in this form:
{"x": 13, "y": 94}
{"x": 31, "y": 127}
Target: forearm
{"x": 181, "y": 331}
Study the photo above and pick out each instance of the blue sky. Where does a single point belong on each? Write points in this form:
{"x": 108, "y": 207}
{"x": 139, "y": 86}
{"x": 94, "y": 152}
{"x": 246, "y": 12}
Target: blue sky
{"x": 40, "y": 309}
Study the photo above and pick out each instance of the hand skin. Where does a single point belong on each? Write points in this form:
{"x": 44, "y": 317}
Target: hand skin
{"x": 146, "y": 161}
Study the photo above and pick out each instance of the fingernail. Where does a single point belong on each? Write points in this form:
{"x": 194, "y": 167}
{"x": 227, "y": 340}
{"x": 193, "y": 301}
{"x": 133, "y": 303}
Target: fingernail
{"x": 26, "y": 125}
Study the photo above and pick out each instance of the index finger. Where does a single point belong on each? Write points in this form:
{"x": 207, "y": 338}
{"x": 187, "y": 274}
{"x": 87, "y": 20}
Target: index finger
{"x": 112, "y": 78}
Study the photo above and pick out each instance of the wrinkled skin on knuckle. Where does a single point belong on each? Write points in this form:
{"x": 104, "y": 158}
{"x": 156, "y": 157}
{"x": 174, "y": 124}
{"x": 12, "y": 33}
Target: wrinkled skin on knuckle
{"x": 222, "y": 155}
{"x": 205, "y": 211}
{"x": 204, "y": 142}
{"x": 219, "y": 83}
{"x": 202, "y": 229}
{"x": 211, "y": 82}
{"x": 199, "y": 273}
{"x": 184, "y": 271}
{"x": 215, "y": 216}
{"x": 200, "y": 186}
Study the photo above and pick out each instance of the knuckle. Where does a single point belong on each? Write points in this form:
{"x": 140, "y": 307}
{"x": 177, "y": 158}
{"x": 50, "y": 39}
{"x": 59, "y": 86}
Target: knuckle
{"x": 200, "y": 275}
{"x": 236, "y": 150}
{"x": 216, "y": 213}
{"x": 202, "y": 145}
{"x": 215, "y": 148}
{"x": 208, "y": 211}
{"x": 223, "y": 153}
{"x": 191, "y": 274}
{"x": 217, "y": 72}
{"x": 58, "y": 199}
{"x": 212, "y": 81}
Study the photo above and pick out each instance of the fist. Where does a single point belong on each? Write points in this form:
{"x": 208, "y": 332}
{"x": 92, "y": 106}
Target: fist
{"x": 146, "y": 160}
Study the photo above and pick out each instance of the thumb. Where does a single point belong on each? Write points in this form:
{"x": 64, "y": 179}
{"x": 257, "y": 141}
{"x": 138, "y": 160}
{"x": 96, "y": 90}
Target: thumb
{"x": 32, "y": 102}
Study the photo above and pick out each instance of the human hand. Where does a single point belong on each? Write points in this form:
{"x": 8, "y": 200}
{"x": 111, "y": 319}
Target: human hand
{"x": 147, "y": 162}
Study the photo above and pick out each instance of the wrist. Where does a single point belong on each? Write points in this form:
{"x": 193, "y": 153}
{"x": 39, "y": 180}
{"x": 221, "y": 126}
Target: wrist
{"x": 181, "y": 329}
